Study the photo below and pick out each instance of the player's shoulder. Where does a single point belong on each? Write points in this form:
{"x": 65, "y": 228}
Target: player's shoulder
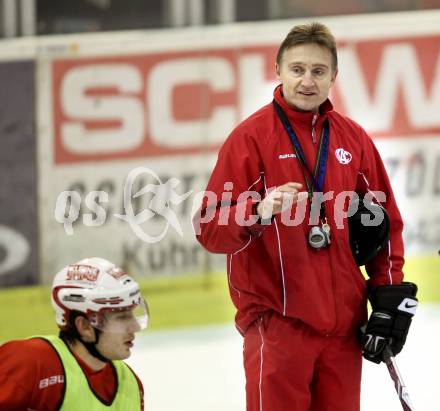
{"x": 34, "y": 349}
{"x": 134, "y": 374}
{"x": 140, "y": 385}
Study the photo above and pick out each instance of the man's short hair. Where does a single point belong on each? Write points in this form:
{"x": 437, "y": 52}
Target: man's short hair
{"x": 312, "y": 33}
{"x": 70, "y": 333}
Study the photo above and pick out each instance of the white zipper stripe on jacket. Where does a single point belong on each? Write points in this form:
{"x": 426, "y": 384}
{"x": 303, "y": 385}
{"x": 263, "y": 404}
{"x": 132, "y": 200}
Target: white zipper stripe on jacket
{"x": 256, "y": 181}
{"x": 242, "y": 248}
{"x": 279, "y": 255}
{"x": 368, "y": 185}
{"x": 240, "y": 330}
{"x": 391, "y": 263}
{"x": 282, "y": 267}
{"x": 261, "y": 366}
{"x": 229, "y": 276}
{"x": 390, "y": 277}
{"x": 314, "y": 120}
{"x": 230, "y": 264}
{"x": 250, "y": 236}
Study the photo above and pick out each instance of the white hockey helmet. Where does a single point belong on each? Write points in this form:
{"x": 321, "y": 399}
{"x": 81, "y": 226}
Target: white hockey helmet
{"x": 97, "y": 287}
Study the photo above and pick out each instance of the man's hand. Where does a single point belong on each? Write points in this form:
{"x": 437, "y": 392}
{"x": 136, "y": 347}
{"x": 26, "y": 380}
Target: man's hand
{"x": 393, "y": 309}
{"x": 280, "y": 199}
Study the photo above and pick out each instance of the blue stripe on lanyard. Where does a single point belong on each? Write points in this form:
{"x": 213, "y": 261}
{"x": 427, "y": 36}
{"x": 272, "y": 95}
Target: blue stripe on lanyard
{"x": 322, "y": 156}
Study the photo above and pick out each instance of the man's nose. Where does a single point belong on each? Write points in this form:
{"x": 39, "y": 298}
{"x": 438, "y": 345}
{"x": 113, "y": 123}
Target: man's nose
{"x": 307, "y": 80}
{"x": 133, "y": 326}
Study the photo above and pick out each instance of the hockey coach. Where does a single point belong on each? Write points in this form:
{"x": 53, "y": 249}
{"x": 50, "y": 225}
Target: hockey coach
{"x": 279, "y": 204}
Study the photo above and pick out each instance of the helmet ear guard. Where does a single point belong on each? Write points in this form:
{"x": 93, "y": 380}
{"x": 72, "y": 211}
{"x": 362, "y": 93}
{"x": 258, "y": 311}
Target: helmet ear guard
{"x": 369, "y": 229}
{"x": 60, "y": 295}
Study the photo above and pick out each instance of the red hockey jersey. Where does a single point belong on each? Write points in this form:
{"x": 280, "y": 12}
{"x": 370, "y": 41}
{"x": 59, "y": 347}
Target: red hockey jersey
{"x": 32, "y": 377}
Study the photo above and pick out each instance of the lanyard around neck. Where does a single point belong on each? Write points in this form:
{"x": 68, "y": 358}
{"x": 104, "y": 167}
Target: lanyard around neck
{"x": 318, "y": 175}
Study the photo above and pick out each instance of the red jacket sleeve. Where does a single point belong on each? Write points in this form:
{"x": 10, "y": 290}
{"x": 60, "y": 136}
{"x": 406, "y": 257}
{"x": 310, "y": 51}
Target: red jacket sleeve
{"x": 386, "y": 267}
{"x": 227, "y": 218}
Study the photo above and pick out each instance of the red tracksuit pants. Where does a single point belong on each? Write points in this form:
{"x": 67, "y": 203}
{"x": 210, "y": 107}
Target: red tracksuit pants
{"x": 290, "y": 367}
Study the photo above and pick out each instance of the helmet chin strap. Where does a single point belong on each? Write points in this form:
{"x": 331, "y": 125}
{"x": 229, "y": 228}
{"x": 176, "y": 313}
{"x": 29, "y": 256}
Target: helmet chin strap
{"x": 91, "y": 347}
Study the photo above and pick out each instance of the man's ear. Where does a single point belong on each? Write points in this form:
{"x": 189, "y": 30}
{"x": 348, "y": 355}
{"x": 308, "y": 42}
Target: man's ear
{"x": 277, "y": 70}
{"x": 85, "y": 329}
{"x": 334, "y": 76}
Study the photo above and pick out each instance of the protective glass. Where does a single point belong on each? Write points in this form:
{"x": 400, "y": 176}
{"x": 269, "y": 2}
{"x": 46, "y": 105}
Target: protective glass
{"x": 124, "y": 320}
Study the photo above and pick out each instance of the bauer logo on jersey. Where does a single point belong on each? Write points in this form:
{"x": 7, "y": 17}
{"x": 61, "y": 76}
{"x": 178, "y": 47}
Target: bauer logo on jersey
{"x": 46, "y": 382}
{"x": 343, "y": 156}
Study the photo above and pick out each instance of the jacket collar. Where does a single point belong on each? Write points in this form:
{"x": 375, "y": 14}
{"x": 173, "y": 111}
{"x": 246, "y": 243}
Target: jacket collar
{"x": 298, "y": 116}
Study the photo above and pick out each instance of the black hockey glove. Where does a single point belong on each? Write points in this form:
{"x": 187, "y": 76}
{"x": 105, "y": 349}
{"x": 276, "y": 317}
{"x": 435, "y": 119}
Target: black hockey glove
{"x": 393, "y": 308}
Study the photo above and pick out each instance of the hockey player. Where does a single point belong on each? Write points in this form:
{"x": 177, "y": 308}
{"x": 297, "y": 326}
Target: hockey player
{"x": 300, "y": 295}
{"x": 98, "y": 309}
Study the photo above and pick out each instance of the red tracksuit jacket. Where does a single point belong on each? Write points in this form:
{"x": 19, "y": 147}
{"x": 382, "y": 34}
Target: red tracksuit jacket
{"x": 273, "y": 267}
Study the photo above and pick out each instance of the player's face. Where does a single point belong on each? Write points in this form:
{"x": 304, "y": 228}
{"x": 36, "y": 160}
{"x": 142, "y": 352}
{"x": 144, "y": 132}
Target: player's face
{"x": 306, "y": 75}
{"x": 117, "y": 343}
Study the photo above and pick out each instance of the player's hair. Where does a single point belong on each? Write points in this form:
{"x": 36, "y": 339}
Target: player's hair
{"x": 70, "y": 333}
{"x": 312, "y": 33}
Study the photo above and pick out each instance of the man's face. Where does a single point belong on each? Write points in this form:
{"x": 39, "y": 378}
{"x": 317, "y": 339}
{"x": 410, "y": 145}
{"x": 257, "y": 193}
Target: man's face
{"x": 118, "y": 334}
{"x": 306, "y": 75}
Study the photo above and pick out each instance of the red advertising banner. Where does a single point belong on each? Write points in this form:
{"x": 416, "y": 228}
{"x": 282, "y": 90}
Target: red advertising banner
{"x": 163, "y": 104}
